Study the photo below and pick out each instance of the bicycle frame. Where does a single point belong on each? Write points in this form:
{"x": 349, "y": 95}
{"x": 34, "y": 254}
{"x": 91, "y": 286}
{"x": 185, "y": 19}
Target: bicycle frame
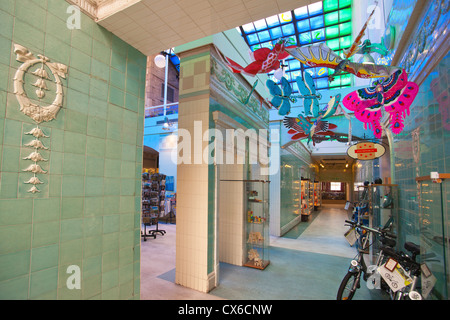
{"x": 358, "y": 265}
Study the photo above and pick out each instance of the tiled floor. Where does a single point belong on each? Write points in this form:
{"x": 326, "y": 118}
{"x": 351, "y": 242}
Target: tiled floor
{"x": 324, "y": 237}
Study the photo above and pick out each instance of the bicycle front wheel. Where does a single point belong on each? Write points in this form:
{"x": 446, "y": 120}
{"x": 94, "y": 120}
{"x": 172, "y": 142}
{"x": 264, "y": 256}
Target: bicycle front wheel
{"x": 348, "y": 286}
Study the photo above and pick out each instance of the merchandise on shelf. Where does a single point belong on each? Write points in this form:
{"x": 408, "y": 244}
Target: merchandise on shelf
{"x": 257, "y": 227}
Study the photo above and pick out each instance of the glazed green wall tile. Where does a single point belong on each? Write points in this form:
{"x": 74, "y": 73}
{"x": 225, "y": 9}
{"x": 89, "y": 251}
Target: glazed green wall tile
{"x": 86, "y": 213}
{"x": 45, "y": 233}
{"x": 6, "y": 25}
{"x": 15, "y": 289}
{"x": 46, "y": 209}
{"x": 44, "y": 257}
{"x": 14, "y": 238}
{"x": 44, "y": 282}
{"x": 14, "y": 265}
{"x": 15, "y": 211}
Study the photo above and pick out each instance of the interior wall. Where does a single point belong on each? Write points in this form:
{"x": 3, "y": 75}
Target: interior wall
{"x": 86, "y": 214}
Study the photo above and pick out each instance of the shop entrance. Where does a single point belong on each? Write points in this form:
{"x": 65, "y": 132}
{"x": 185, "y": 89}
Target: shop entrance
{"x": 334, "y": 192}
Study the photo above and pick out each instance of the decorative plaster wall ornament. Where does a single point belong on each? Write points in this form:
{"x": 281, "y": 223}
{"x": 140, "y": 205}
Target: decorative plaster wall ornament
{"x": 29, "y": 108}
{"x": 32, "y": 108}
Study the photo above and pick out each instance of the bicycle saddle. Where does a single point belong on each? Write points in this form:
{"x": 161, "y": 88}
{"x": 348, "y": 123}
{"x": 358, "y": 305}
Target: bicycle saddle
{"x": 412, "y": 247}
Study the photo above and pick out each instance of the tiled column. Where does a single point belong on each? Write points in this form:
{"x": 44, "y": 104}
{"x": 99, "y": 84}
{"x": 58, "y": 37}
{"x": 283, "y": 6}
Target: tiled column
{"x": 195, "y": 181}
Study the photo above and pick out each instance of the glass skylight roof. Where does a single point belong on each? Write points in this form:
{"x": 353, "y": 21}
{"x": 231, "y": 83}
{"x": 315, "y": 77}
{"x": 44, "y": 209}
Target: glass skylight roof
{"x": 327, "y": 21}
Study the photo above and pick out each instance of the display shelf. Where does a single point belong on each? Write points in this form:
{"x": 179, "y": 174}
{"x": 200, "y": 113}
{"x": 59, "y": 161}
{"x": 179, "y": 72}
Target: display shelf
{"x": 317, "y": 195}
{"x": 257, "y": 224}
{"x": 153, "y": 199}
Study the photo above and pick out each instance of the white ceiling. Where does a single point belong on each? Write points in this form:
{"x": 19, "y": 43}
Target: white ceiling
{"x": 155, "y": 25}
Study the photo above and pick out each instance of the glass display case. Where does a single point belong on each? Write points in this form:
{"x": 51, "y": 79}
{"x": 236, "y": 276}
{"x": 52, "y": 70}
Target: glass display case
{"x": 383, "y": 206}
{"x": 257, "y": 223}
{"x": 306, "y": 199}
{"x": 434, "y": 238}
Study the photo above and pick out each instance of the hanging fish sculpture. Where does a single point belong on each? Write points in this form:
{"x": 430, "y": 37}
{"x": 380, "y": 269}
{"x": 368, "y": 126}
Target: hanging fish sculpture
{"x": 265, "y": 60}
{"x": 395, "y": 94}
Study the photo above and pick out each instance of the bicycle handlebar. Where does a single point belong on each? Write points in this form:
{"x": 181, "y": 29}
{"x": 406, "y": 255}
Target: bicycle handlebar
{"x": 378, "y": 230}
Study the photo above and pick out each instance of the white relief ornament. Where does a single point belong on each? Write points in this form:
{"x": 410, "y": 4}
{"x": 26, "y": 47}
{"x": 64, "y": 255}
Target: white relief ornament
{"x": 35, "y": 168}
{"x": 33, "y": 109}
{"x": 37, "y": 133}
{"x": 33, "y": 180}
{"x": 35, "y": 156}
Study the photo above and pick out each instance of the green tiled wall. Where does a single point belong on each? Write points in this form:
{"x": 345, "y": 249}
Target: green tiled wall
{"x": 88, "y": 211}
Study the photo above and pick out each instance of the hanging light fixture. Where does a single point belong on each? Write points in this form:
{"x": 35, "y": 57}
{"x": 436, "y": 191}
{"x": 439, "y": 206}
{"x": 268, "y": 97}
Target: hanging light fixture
{"x": 367, "y": 59}
{"x": 160, "y": 61}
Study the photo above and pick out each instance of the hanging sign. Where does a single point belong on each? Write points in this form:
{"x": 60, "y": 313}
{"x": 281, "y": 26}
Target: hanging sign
{"x": 366, "y": 151}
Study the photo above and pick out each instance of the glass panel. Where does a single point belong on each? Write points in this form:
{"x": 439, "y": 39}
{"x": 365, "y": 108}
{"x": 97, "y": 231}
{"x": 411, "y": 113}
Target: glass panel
{"x": 346, "y": 80}
{"x": 330, "y": 5}
{"x": 296, "y": 74}
{"x": 336, "y": 82}
{"x": 288, "y": 29}
{"x": 331, "y": 18}
{"x": 345, "y": 28}
{"x": 318, "y": 35}
{"x": 285, "y": 17}
{"x": 294, "y": 64}
{"x": 333, "y": 44}
{"x": 301, "y": 13}
{"x": 257, "y": 224}
{"x": 272, "y": 21}
{"x": 248, "y": 28}
{"x": 303, "y": 25}
{"x": 291, "y": 41}
{"x": 275, "y": 33}
{"x": 322, "y": 83}
{"x": 332, "y": 32}
{"x": 317, "y": 22}
{"x": 345, "y": 42}
{"x": 252, "y": 38}
{"x": 315, "y": 8}
{"x": 288, "y": 76}
{"x": 294, "y": 85}
{"x": 264, "y": 36}
{"x": 434, "y": 238}
{"x": 267, "y": 45}
{"x": 260, "y": 24}
{"x": 344, "y": 3}
{"x": 345, "y": 15}
{"x": 322, "y": 72}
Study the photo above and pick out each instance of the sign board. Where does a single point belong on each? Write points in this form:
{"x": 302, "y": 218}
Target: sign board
{"x": 366, "y": 151}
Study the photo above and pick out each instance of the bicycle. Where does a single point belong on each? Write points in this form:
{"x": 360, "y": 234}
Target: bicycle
{"x": 413, "y": 271}
{"x": 352, "y": 280}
